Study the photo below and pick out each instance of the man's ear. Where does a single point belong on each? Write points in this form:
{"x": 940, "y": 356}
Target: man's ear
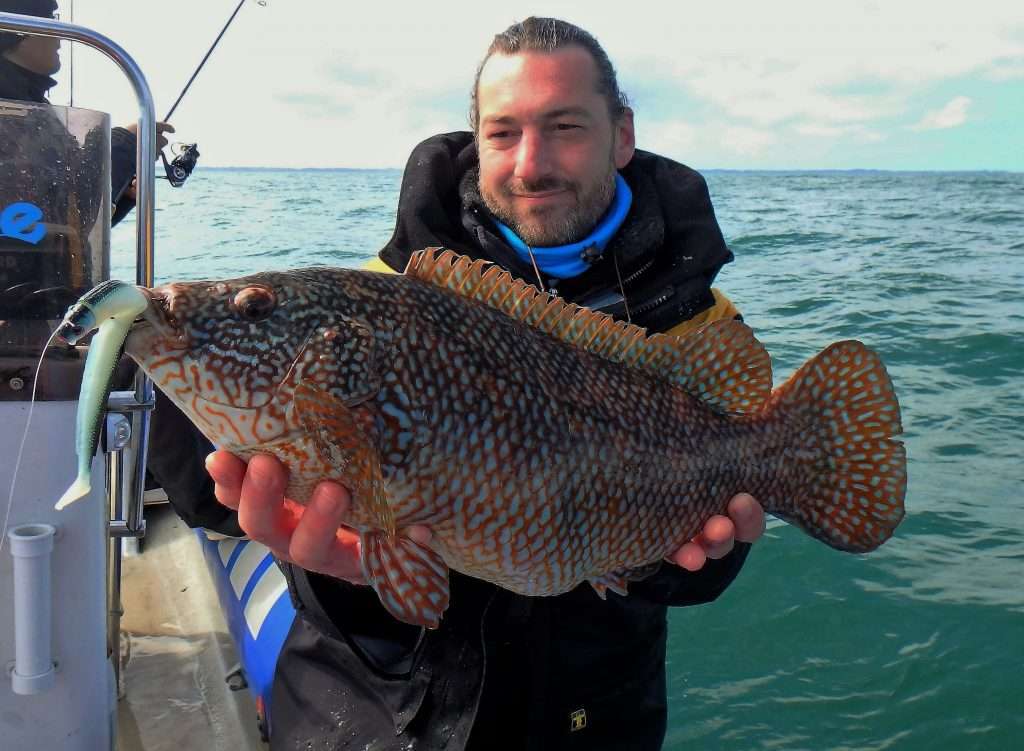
{"x": 625, "y": 139}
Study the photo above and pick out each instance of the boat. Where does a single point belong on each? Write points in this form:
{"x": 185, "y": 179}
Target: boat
{"x": 106, "y": 643}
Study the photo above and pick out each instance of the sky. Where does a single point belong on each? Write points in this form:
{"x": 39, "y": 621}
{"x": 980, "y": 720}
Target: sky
{"x": 789, "y": 84}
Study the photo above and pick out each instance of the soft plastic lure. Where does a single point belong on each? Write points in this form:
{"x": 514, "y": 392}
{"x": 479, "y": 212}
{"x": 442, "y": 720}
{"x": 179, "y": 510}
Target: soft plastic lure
{"x": 108, "y": 309}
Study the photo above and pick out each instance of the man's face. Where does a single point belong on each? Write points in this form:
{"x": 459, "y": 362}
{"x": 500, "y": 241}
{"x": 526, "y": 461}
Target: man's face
{"x": 38, "y": 54}
{"x": 548, "y": 146}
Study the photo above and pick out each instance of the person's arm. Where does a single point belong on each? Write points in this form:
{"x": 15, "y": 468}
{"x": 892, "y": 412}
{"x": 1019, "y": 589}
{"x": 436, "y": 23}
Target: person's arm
{"x": 122, "y": 167}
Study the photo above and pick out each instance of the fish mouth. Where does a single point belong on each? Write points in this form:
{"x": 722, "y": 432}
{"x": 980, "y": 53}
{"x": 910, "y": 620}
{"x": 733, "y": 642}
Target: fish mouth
{"x": 159, "y": 317}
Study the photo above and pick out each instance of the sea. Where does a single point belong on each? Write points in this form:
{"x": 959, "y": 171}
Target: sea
{"x": 918, "y": 645}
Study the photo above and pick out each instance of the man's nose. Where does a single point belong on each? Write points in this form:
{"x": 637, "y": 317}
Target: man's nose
{"x": 533, "y": 158}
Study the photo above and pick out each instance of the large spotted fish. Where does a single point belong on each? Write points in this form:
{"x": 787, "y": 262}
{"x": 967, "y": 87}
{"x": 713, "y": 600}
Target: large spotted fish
{"x": 544, "y": 444}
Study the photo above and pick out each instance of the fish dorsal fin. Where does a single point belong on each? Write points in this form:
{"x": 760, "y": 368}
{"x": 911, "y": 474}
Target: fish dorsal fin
{"x": 722, "y": 364}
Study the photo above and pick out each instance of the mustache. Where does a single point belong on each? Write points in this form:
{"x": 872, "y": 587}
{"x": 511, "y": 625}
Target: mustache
{"x": 539, "y": 186}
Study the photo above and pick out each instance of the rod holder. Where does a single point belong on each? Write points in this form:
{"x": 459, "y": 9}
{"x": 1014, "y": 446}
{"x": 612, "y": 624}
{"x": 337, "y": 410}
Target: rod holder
{"x": 32, "y": 550}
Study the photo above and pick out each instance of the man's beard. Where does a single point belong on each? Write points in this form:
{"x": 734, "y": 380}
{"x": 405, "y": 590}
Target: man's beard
{"x": 569, "y": 225}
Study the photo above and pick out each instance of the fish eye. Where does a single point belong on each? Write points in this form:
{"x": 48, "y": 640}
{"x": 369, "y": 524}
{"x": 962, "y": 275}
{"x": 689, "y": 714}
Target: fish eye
{"x": 255, "y": 303}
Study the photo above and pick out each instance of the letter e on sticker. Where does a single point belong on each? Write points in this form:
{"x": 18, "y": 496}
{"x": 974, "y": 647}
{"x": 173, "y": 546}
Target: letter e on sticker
{"x": 22, "y": 221}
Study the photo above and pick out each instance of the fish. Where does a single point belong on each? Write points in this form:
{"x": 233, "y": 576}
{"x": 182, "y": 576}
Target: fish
{"x": 545, "y": 445}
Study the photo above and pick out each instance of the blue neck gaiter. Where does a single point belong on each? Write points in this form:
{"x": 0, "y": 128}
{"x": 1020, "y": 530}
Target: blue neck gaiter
{"x": 566, "y": 261}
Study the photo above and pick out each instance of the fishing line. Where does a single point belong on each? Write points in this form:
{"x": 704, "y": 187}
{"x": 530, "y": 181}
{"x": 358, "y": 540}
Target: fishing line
{"x": 71, "y": 64}
{"x": 24, "y": 439}
{"x": 622, "y": 286}
{"x": 540, "y": 282}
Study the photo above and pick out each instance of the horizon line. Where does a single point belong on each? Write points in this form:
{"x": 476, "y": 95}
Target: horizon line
{"x": 931, "y": 170}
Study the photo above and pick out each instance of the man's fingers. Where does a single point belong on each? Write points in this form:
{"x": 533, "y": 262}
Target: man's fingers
{"x": 717, "y": 537}
{"x": 747, "y": 516}
{"x": 690, "y": 556}
{"x": 319, "y": 543}
{"x": 227, "y": 471}
{"x": 262, "y": 512}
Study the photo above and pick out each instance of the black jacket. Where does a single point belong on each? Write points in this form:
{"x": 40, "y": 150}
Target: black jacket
{"x": 506, "y": 671}
{"x": 669, "y": 248}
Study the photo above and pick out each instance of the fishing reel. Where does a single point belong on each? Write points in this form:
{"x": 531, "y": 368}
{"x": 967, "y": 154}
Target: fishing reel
{"x": 178, "y": 170}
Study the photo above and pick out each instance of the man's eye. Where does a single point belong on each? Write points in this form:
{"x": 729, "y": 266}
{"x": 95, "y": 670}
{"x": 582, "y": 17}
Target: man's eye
{"x": 499, "y": 134}
{"x": 567, "y": 126}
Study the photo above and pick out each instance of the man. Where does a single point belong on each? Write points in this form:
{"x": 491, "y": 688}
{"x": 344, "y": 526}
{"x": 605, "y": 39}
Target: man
{"x": 27, "y": 63}
{"x": 550, "y": 186}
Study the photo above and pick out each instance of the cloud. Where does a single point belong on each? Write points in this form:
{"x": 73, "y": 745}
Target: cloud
{"x": 1006, "y": 70}
{"x": 725, "y": 82}
{"x": 673, "y": 139}
{"x": 858, "y": 133}
{"x": 950, "y": 116}
{"x": 746, "y": 141}
{"x": 831, "y": 71}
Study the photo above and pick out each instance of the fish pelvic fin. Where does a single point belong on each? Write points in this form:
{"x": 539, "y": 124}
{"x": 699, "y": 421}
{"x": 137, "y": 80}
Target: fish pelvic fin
{"x": 618, "y": 581}
{"x": 722, "y": 364}
{"x": 343, "y": 444}
{"x": 851, "y": 475}
{"x": 410, "y": 579}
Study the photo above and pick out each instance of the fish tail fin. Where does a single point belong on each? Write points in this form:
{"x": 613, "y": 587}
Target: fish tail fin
{"x": 847, "y": 477}
{"x": 410, "y": 579}
{"x": 80, "y": 487}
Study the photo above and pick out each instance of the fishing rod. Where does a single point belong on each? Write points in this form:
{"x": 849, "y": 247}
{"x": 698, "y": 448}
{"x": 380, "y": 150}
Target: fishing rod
{"x": 207, "y": 56}
{"x": 185, "y": 161}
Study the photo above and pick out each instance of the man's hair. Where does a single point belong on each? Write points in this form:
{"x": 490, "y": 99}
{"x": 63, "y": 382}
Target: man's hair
{"x": 537, "y": 34}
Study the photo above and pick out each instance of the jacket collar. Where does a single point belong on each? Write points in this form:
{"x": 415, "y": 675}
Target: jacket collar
{"x": 642, "y": 232}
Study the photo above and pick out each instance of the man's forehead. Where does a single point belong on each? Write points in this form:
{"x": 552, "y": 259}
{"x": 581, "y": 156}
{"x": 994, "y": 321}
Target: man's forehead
{"x": 563, "y": 81}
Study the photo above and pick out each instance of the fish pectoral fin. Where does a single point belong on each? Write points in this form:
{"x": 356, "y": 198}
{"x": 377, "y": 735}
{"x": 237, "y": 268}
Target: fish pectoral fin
{"x": 342, "y": 441}
{"x": 618, "y": 581}
{"x": 410, "y": 579}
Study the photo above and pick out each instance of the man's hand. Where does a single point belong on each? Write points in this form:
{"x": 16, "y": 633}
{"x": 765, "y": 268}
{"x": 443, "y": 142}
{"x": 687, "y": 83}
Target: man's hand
{"x": 745, "y": 522}
{"x": 161, "y": 139}
{"x": 131, "y": 191}
{"x": 310, "y": 536}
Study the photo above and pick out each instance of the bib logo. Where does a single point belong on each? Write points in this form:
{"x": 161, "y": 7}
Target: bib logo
{"x": 22, "y": 221}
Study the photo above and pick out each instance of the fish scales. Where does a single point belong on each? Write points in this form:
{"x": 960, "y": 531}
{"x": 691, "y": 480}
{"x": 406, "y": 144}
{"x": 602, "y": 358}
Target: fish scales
{"x": 544, "y": 445}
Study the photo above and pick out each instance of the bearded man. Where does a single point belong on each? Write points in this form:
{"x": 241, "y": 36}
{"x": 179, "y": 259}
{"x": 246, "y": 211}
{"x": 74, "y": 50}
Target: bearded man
{"x": 550, "y": 186}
